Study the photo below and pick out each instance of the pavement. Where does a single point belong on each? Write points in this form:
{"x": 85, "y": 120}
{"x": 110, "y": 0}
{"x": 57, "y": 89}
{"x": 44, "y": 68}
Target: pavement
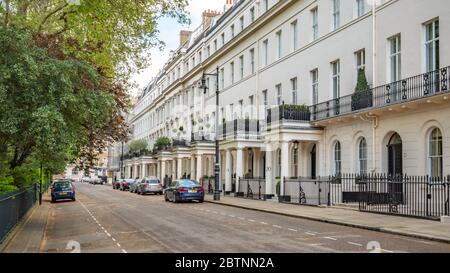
{"x": 111, "y": 221}
{"x": 413, "y": 227}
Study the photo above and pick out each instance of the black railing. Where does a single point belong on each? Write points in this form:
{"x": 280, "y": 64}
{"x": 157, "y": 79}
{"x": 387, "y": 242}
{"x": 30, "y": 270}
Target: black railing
{"x": 14, "y": 206}
{"x": 240, "y": 129}
{"x": 295, "y": 113}
{"x": 416, "y": 196}
{"x": 253, "y": 188}
{"x": 417, "y": 87}
{"x": 179, "y": 143}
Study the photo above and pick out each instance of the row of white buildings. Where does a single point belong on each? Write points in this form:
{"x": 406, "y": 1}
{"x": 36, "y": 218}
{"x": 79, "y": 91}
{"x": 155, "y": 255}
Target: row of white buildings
{"x": 287, "y": 105}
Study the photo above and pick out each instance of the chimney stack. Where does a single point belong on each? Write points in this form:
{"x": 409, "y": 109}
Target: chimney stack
{"x": 207, "y": 17}
{"x": 228, "y": 5}
{"x": 184, "y": 36}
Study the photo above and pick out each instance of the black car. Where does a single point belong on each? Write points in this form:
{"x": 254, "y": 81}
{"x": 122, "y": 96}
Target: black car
{"x": 116, "y": 184}
{"x": 184, "y": 190}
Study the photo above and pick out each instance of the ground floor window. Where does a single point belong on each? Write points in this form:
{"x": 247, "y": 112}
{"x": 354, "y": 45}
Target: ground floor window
{"x": 362, "y": 156}
{"x": 337, "y": 158}
{"x": 435, "y": 153}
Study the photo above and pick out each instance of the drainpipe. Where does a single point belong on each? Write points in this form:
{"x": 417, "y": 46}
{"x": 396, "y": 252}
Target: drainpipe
{"x": 375, "y": 121}
{"x": 374, "y": 42}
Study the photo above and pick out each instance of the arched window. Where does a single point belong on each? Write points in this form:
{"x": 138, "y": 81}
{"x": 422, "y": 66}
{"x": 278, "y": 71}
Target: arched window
{"x": 337, "y": 158}
{"x": 294, "y": 160}
{"x": 362, "y": 156}
{"x": 435, "y": 153}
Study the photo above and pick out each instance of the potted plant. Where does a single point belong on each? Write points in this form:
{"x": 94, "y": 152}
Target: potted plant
{"x": 362, "y": 98}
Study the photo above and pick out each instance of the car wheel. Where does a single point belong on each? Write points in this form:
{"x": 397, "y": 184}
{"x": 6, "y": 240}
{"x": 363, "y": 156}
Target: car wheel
{"x": 53, "y": 200}
{"x": 165, "y": 198}
{"x": 175, "y": 199}
{"x": 74, "y": 199}
{"x": 201, "y": 200}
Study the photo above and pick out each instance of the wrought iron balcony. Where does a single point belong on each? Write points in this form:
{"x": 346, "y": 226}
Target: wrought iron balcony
{"x": 417, "y": 87}
{"x": 239, "y": 129}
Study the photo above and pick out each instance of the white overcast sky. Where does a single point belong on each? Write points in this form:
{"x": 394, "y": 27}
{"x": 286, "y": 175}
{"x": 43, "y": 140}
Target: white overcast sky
{"x": 169, "y": 33}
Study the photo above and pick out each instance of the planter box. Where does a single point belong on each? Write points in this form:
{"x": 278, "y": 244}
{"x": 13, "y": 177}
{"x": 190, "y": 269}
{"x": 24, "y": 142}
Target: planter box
{"x": 362, "y": 101}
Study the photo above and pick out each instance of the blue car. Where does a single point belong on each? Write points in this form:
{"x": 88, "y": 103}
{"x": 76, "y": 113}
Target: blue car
{"x": 184, "y": 190}
{"x": 62, "y": 190}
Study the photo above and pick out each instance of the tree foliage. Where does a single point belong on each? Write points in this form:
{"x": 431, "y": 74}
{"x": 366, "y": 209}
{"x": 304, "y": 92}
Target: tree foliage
{"x": 138, "y": 145}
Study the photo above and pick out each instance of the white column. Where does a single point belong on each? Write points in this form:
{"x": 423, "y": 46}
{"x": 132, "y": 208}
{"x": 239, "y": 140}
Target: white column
{"x": 179, "y": 173}
{"x": 239, "y": 166}
{"x": 228, "y": 170}
{"x": 163, "y": 171}
{"x": 284, "y": 164}
{"x": 193, "y": 167}
{"x": 199, "y": 168}
{"x": 143, "y": 170}
{"x": 268, "y": 170}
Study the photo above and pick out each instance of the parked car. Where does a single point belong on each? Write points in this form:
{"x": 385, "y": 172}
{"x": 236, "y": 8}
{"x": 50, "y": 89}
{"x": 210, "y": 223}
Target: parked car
{"x": 124, "y": 184}
{"x": 62, "y": 190}
{"x": 116, "y": 184}
{"x": 150, "y": 185}
{"x": 133, "y": 186}
{"x": 96, "y": 180}
{"x": 86, "y": 179}
{"x": 184, "y": 190}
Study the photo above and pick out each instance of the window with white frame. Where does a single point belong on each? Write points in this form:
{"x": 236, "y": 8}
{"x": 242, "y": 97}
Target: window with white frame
{"x": 360, "y": 7}
{"x": 395, "y": 58}
{"x": 279, "y": 94}
{"x": 294, "y": 30}
{"x": 336, "y": 14}
{"x": 362, "y": 156}
{"x": 264, "y": 98}
{"x": 215, "y": 45}
{"x": 294, "y": 91}
{"x": 252, "y": 14}
{"x": 315, "y": 86}
{"x": 208, "y": 51}
{"x": 435, "y": 163}
{"x": 232, "y": 72}
{"x": 337, "y": 158}
{"x": 241, "y": 22}
{"x": 232, "y": 31}
{"x": 432, "y": 46}
{"x": 222, "y": 39}
{"x": 241, "y": 67}
{"x": 222, "y": 78}
{"x": 240, "y": 109}
{"x": 251, "y": 103}
{"x": 336, "y": 79}
{"x": 315, "y": 23}
{"x": 360, "y": 59}
{"x": 265, "y": 55}
{"x": 252, "y": 60}
{"x": 265, "y": 5}
{"x": 279, "y": 44}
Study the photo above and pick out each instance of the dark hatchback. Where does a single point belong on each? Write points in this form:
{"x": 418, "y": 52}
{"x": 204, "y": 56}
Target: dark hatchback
{"x": 62, "y": 190}
{"x": 184, "y": 190}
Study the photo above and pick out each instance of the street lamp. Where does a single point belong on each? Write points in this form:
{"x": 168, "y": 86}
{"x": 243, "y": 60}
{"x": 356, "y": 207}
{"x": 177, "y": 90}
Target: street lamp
{"x": 216, "y": 165}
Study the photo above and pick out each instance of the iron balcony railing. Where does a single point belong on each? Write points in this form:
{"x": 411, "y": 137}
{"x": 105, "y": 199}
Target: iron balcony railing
{"x": 239, "y": 129}
{"x": 290, "y": 113}
{"x": 421, "y": 86}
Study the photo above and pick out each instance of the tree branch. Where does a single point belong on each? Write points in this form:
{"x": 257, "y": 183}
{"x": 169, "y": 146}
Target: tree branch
{"x": 58, "y": 9}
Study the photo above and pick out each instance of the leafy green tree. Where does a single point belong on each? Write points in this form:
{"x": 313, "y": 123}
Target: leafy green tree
{"x": 362, "y": 84}
{"x": 138, "y": 145}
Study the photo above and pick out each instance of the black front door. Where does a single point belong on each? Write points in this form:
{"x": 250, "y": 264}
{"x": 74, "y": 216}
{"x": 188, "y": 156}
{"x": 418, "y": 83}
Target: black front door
{"x": 395, "y": 162}
{"x": 395, "y": 170}
{"x": 313, "y": 162}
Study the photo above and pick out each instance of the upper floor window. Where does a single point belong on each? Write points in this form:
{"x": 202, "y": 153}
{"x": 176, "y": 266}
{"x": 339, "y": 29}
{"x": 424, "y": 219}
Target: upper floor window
{"x": 232, "y": 31}
{"x": 252, "y": 14}
{"x": 252, "y": 60}
{"x": 336, "y": 14}
{"x": 265, "y": 5}
{"x": 315, "y": 86}
{"x": 336, "y": 78}
{"x": 395, "y": 48}
{"x": 432, "y": 45}
{"x": 279, "y": 94}
{"x": 232, "y": 72}
{"x": 315, "y": 23}
{"x": 265, "y": 55}
{"x": 360, "y": 7}
{"x": 241, "y": 22}
{"x": 241, "y": 66}
{"x": 215, "y": 45}
{"x": 294, "y": 29}
{"x": 222, "y": 78}
{"x": 208, "y": 51}
{"x": 294, "y": 91}
{"x": 222, "y": 38}
{"x": 279, "y": 44}
{"x": 264, "y": 98}
{"x": 360, "y": 59}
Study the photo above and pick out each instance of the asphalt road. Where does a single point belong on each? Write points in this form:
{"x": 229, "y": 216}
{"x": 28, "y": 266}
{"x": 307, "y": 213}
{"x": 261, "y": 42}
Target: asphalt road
{"x": 107, "y": 220}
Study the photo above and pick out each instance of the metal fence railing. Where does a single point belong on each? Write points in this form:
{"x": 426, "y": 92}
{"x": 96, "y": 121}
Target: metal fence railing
{"x": 416, "y": 196}
{"x": 253, "y": 188}
{"x": 14, "y": 206}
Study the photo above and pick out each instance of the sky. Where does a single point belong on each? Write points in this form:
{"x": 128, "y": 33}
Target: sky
{"x": 169, "y": 33}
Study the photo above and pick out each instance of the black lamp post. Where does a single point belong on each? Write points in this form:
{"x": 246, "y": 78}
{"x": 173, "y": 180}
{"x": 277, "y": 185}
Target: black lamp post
{"x": 216, "y": 165}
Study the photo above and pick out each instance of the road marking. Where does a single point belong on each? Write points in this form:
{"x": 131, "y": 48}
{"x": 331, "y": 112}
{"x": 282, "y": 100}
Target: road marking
{"x": 385, "y": 250}
{"x": 291, "y": 229}
{"x": 109, "y": 235}
{"x": 113, "y": 239}
{"x": 355, "y": 244}
{"x": 264, "y": 223}
{"x": 309, "y": 233}
{"x": 276, "y": 226}
{"x": 215, "y": 212}
{"x": 241, "y": 218}
{"x": 118, "y": 244}
{"x": 330, "y": 238}
{"x": 124, "y": 251}
{"x": 231, "y": 215}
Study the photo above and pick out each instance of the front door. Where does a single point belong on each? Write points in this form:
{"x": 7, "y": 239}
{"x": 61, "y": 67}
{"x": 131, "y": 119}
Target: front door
{"x": 395, "y": 168}
{"x": 313, "y": 162}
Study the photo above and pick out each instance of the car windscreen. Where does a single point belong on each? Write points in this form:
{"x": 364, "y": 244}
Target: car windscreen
{"x": 62, "y": 186}
{"x": 187, "y": 183}
{"x": 153, "y": 181}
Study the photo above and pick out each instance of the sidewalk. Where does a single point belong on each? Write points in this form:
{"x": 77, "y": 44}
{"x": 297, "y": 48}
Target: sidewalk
{"x": 28, "y": 236}
{"x": 412, "y": 227}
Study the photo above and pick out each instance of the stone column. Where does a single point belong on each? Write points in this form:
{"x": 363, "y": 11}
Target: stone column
{"x": 284, "y": 164}
{"x": 163, "y": 172}
{"x": 228, "y": 171}
{"x": 199, "y": 168}
{"x": 179, "y": 173}
{"x": 143, "y": 170}
{"x": 192, "y": 167}
{"x": 239, "y": 166}
{"x": 269, "y": 170}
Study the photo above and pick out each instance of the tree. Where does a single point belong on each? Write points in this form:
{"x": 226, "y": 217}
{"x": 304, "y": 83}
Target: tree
{"x": 138, "y": 145}
{"x": 362, "y": 84}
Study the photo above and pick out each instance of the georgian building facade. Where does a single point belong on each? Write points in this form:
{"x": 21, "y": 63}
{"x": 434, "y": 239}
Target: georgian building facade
{"x": 287, "y": 102}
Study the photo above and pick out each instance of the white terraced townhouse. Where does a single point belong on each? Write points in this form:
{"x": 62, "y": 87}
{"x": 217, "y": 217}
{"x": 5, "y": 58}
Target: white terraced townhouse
{"x": 289, "y": 105}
